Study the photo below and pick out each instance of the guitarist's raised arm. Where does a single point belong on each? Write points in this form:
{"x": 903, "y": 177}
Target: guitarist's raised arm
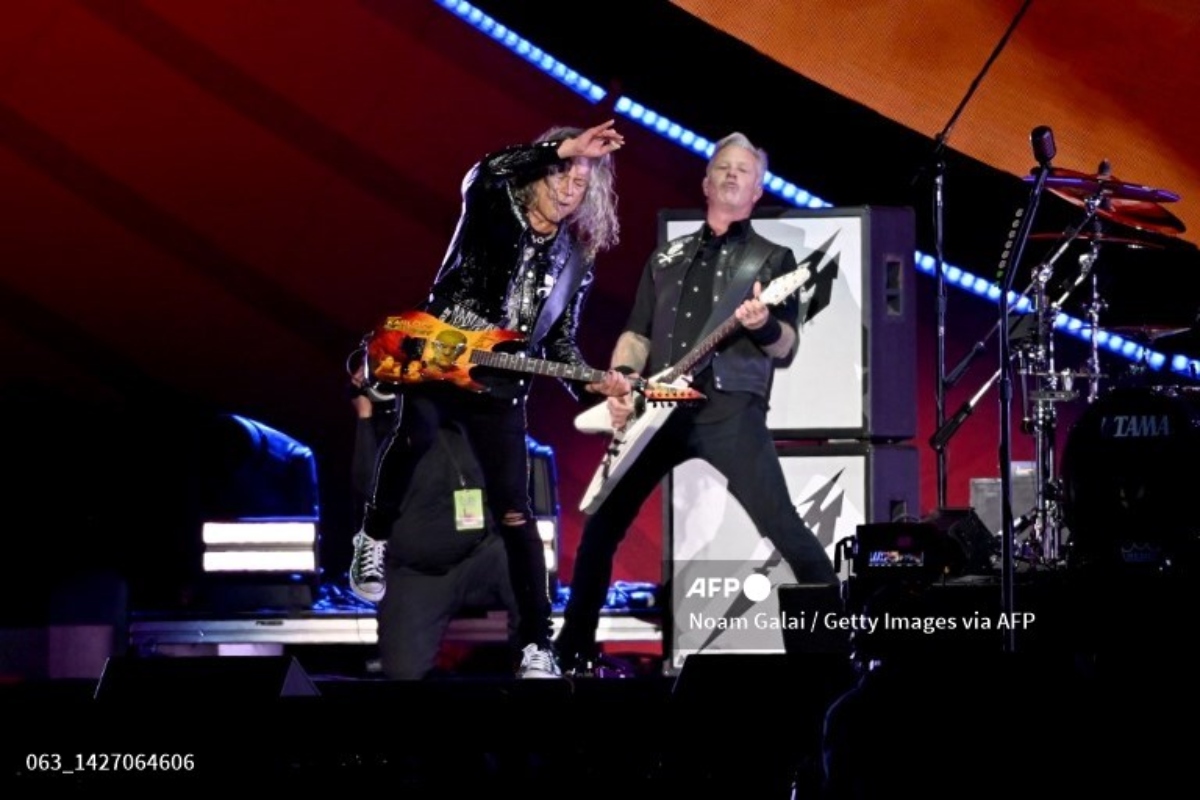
{"x": 776, "y": 338}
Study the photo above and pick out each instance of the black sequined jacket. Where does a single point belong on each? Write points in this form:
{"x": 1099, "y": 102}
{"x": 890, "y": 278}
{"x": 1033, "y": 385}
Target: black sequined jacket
{"x": 472, "y": 287}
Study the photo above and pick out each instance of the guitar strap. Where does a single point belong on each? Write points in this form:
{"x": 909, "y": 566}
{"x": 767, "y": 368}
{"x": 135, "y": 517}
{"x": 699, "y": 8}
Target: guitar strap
{"x": 564, "y": 288}
{"x": 739, "y": 287}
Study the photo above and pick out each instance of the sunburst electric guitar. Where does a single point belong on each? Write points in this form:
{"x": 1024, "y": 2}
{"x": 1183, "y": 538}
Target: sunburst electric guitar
{"x": 648, "y": 417}
{"x": 416, "y": 347}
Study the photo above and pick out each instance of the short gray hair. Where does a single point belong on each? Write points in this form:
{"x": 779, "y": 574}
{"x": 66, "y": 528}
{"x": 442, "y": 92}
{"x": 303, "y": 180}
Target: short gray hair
{"x": 737, "y": 139}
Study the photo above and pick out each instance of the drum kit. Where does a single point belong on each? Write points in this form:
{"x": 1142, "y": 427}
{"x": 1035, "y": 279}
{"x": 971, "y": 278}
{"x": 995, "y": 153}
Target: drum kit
{"x": 1127, "y": 467}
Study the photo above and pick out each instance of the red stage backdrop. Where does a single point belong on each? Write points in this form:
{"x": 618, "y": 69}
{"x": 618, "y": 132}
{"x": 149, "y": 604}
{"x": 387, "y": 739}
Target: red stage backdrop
{"x": 211, "y": 202}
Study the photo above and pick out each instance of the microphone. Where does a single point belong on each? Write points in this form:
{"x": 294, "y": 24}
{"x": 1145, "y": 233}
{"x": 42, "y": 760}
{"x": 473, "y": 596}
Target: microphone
{"x": 1042, "y": 139}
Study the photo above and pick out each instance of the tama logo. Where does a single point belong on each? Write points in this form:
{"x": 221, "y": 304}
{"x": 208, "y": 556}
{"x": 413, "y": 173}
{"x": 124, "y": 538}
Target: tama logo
{"x": 756, "y": 587}
{"x": 1136, "y": 426}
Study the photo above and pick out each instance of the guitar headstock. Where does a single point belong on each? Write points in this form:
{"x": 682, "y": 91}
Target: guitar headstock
{"x": 778, "y": 290}
{"x": 664, "y": 393}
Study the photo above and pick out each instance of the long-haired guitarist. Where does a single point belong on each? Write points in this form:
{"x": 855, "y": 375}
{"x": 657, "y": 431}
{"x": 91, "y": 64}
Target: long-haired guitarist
{"x": 687, "y": 285}
{"x": 534, "y": 217}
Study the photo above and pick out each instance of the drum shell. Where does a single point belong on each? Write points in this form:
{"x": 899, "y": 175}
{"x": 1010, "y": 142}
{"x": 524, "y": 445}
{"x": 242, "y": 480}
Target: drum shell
{"x": 1131, "y": 476}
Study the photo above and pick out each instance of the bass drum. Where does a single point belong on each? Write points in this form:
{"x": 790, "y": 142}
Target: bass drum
{"x": 1131, "y": 479}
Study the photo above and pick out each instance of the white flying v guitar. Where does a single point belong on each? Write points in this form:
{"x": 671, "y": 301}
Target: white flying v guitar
{"x": 649, "y": 415}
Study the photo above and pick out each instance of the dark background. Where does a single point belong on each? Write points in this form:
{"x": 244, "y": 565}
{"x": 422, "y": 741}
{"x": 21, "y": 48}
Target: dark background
{"x": 207, "y": 204}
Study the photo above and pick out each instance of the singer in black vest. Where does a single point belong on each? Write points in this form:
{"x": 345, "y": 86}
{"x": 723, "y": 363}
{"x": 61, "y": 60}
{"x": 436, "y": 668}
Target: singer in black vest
{"x": 681, "y": 285}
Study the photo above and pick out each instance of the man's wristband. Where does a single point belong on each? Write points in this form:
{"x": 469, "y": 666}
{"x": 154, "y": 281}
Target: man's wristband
{"x": 625, "y": 370}
{"x": 768, "y": 334}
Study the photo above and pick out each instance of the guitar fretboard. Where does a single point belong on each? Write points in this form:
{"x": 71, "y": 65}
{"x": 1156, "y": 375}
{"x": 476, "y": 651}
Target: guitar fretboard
{"x": 786, "y": 284}
{"x": 536, "y": 366}
{"x": 702, "y": 349}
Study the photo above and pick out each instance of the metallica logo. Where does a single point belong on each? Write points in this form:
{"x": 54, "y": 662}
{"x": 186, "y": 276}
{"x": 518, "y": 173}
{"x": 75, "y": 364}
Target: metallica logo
{"x": 822, "y": 516}
{"x": 824, "y": 267}
{"x": 1135, "y": 426}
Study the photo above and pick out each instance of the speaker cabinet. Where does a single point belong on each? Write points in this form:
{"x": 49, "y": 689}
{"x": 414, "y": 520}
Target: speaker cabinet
{"x": 204, "y": 679}
{"x": 854, "y": 373}
{"x": 975, "y": 550}
{"x": 714, "y": 547}
{"x": 986, "y": 499}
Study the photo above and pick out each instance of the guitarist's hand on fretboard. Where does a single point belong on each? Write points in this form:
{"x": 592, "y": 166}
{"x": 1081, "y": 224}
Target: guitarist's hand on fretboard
{"x": 613, "y": 384}
{"x": 753, "y": 312}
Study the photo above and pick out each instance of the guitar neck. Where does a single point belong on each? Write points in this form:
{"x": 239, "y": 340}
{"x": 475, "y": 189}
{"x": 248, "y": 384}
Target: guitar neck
{"x": 702, "y": 349}
{"x": 785, "y": 284}
{"x": 536, "y": 366}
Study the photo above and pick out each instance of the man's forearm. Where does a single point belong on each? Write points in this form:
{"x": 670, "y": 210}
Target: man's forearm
{"x": 782, "y": 347}
{"x": 631, "y": 351}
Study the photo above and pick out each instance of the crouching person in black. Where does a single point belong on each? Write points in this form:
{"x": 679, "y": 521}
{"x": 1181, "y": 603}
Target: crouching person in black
{"x": 443, "y": 556}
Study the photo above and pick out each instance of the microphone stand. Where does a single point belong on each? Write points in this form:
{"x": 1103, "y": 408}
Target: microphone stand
{"x": 1006, "y": 511}
{"x": 939, "y": 254}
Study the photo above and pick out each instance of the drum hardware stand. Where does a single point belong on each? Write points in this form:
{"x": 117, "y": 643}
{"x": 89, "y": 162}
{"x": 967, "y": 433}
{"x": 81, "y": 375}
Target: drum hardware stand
{"x": 1037, "y": 360}
{"x": 949, "y": 427}
{"x": 1095, "y": 307}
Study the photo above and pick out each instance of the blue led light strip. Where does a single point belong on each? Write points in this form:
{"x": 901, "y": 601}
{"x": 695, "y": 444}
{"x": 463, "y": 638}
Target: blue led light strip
{"x": 955, "y": 276}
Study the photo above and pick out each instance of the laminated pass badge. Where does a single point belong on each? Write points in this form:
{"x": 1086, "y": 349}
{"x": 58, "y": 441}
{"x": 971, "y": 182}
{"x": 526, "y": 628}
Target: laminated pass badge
{"x": 468, "y": 509}
{"x": 468, "y": 503}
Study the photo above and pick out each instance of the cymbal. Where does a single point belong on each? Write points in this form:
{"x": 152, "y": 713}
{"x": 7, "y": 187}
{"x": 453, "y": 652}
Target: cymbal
{"x": 1180, "y": 341}
{"x": 1137, "y": 214}
{"x": 1145, "y": 333}
{"x": 1124, "y": 203}
{"x": 1103, "y": 238}
{"x": 1083, "y": 186}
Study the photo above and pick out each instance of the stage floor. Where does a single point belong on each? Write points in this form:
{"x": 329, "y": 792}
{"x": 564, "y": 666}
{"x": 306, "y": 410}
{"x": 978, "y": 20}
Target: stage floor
{"x": 1098, "y": 698}
{"x": 151, "y": 630}
{"x": 746, "y": 725}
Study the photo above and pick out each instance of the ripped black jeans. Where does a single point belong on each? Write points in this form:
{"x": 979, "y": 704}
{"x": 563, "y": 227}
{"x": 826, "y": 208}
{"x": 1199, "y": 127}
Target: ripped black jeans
{"x": 496, "y": 428}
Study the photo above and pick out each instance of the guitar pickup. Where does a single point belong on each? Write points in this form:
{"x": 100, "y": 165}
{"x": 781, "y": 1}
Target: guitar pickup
{"x": 672, "y": 394}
